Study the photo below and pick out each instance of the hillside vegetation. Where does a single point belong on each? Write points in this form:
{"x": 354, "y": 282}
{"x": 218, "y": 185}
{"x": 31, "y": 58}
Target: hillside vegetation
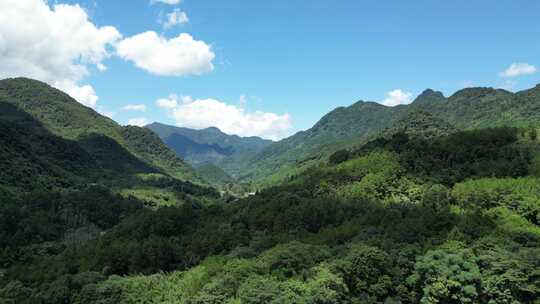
{"x": 62, "y": 116}
{"x": 210, "y": 146}
{"x": 451, "y": 219}
{"x": 60, "y": 186}
{"x": 422, "y": 207}
{"x": 346, "y": 127}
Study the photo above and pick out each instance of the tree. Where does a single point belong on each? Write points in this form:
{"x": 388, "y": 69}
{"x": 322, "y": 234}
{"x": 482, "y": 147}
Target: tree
{"x": 447, "y": 275}
{"x": 366, "y": 272}
{"x": 437, "y": 198}
{"x": 339, "y": 157}
{"x": 326, "y": 287}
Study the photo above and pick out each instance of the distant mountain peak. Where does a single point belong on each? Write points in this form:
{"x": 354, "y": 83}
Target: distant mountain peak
{"x": 64, "y": 117}
{"x": 429, "y": 95}
{"x": 474, "y": 92}
{"x": 214, "y": 129}
{"x": 209, "y": 145}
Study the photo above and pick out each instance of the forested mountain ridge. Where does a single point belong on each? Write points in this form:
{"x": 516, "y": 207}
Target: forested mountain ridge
{"x": 443, "y": 219}
{"x": 469, "y": 108}
{"x": 64, "y": 117}
{"x": 430, "y": 206}
{"x": 65, "y": 181}
{"x": 209, "y": 146}
{"x": 484, "y": 107}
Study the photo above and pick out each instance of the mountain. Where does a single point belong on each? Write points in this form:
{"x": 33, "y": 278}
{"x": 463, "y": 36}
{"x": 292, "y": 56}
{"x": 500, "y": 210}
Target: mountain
{"x": 89, "y": 214}
{"x": 344, "y": 127}
{"x": 68, "y": 174}
{"x": 33, "y": 156}
{"x": 209, "y": 146}
{"x": 64, "y": 117}
{"x": 485, "y": 107}
{"x": 335, "y": 130}
{"x": 420, "y": 124}
{"x": 452, "y": 219}
{"x": 49, "y": 142}
{"x": 214, "y": 175}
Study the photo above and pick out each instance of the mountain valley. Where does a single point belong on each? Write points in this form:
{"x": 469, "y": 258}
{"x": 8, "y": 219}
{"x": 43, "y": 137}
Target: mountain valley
{"x": 433, "y": 202}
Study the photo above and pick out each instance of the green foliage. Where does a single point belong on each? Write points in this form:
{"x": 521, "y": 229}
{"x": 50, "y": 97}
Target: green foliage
{"x": 41, "y": 217}
{"x": 520, "y": 195}
{"x": 454, "y": 158}
{"x": 291, "y": 259}
{"x": 339, "y": 157}
{"x": 420, "y": 124}
{"x": 437, "y": 198}
{"x": 420, "y": 217}
{"x": 326, "y": 287}
{"x": 430, "y": 115}
{"x": 210, "y": 146}
{"x": 15, "y": 292}
{"x": 335, "y": 131}
{"x": 447, "y": 275}
{"x": 260, "y": 289}
{"x": 64, "y": 117}
{"x": 365, "y": 271}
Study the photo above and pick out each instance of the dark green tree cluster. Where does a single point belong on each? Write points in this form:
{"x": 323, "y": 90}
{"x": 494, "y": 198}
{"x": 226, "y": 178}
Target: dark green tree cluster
{"x": 494, "y": 152}
{"x": 449, "y": 220}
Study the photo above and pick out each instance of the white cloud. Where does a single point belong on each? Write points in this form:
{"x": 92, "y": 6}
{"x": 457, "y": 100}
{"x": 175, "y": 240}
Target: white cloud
{"x": 84, "y": 94}
{"x": 509, "y": 85}
{"x": 243, "y": 100}
{"x": 172, "y": 101}
{"x": 135, "y": 107}
{"x": 139, "y": 122}
{"x": 518, "y": 69}
{"x": 104, "y": 112}
{"x": 231, "y": 119}
{"x": 101, "y": 67}
{"x": 397, "y": 97}
{"x": 176, "y": 17}
{"x": 171, "y": 2}
{"x": 468, "y": 84}
{"x": 53, "y": 44}
{"x": 167, "y": 57}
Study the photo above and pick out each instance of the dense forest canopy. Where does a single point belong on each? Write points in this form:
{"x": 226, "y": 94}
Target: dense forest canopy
{"x": 428, "y": 208}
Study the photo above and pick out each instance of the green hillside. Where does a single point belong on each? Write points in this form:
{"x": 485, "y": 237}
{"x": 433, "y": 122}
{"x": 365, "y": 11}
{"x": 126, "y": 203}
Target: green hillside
{"x": 435, "y": 202}
{"x": 210, "y": 146}
{"x": 214, "y": 175}
{"x": 420, "y": 124}
{"x": 485, "y": 107}
{"x": 346, "y": 127}
{"x": 32, "y": 156}
{"x": 63, "y": 116}
{"x": 450, "y": 219}
{"x": 63, "y": 186}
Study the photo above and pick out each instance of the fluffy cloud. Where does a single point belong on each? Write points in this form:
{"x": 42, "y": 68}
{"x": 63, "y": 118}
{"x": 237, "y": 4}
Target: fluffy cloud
{"x": 171, "y": 2}
{"x": 172, "y": 101}
{"x": 468, "y": 84}
{"x": 84, "y": 94}
{"x": 139, "y": 122}
{"x": 104, "y": 112}
{"x": 176, "y": 17}
{"x": 509, "y": 85}
{"x": 518, "y": 69}
{"x": 167, "y": 57}
{"x": 53, "y": 44}
{"x": 231, "y": 119}
{"x": 135, "y": 107}
{"x": 397, "y": 97}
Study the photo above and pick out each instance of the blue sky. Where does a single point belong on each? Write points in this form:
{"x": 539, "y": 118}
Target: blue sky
{"x": 292, "y": 61}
